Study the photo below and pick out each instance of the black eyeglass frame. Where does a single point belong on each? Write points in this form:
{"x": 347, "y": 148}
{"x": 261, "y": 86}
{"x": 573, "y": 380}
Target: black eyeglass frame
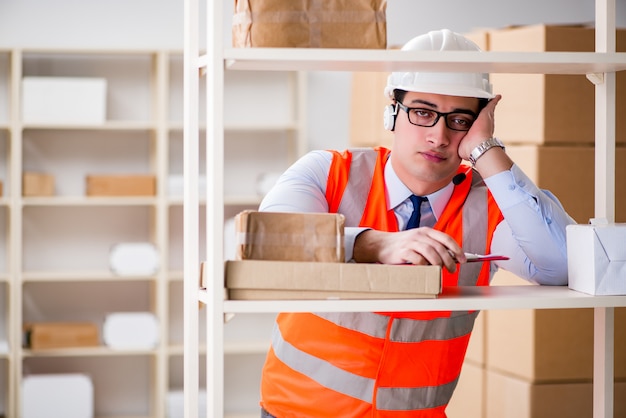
{"x": 439, "y": 115}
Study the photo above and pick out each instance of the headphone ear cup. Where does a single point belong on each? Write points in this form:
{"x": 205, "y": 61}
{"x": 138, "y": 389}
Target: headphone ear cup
{"x": 389, "y": 117}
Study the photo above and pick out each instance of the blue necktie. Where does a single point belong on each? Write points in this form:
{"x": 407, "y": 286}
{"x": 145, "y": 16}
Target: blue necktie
{"x": 414, "y": 220}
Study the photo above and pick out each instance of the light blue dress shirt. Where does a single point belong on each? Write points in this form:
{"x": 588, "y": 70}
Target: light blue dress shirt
{"x": 532, "y": 233}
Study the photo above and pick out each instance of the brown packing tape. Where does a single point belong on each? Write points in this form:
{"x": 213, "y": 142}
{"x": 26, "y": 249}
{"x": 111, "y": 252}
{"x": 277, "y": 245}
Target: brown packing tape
{"x": 313, "y": 23}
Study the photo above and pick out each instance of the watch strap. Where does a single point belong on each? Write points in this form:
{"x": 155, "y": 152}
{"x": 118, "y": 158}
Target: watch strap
{"x": 483, "y": 147}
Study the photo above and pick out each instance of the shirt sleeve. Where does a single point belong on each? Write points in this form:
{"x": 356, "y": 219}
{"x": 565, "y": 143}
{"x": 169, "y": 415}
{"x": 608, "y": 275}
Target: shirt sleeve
{"x": 302, "y": 188}
{"x": 533, "y": 231}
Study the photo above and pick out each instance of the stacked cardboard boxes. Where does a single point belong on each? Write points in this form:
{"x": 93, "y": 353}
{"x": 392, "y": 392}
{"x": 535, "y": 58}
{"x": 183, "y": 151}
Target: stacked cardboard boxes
{"x": 539, "y": 363}
{"x": 547, "y": 121}
{"x": 550, "y": 109}
{"x": 301, "y": 256}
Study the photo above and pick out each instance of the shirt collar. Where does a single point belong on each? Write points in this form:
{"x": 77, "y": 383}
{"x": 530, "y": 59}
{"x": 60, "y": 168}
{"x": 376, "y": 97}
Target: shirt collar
{"x": 397, "y": 192}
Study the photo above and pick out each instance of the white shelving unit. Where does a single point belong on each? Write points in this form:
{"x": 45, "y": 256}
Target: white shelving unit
{"x": 54, "y": 250}
{"x": 217, "y": 62}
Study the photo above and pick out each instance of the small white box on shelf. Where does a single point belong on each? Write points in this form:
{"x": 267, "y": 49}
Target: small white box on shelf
{"x": 134, "y": 259}
{"x": 64, "y": 100}
{"x": 131, "y": 331}
{"x": 57, "y": 395}
{"x": 596, "y": 257}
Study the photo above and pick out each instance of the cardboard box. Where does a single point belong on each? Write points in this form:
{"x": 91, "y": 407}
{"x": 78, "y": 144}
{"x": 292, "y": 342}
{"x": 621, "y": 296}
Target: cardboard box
{"x": 596, "y": 258}
{"x": 480, "y": 36}
{"x": 121, "y": 185}
{"x": 515, "y": 398}
{"x": 37, "y": 184}
{"x": 289, "y": 236}
{"x": 546, "y": 345}
{"x": 476, "y": 353}
{"x": 367, "y": 107}
{"x": 469, "y": 396}
{"x": 46, "y": 335}
{"x": 64, "y": 100}
{"x": 568, "y": 172}
{"x": 261, "y": 279}
{"x": 314, "y": 23}
{"x": 550, "y": 109}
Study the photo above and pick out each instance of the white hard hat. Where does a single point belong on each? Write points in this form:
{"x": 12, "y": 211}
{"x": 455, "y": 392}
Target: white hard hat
{"x": 448, "y": 83}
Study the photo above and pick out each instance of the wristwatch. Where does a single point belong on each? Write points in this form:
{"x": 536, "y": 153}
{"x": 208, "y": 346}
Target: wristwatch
{"x": 483, "y": 147}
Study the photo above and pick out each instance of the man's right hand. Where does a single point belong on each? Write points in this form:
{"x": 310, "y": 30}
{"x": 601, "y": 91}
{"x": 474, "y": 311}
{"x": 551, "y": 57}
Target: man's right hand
{"x": 419, "y": 246}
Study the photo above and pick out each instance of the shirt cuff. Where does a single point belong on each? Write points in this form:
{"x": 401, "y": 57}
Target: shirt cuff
{"x": 511, "y": 187}
{"x": 350, "y": 234}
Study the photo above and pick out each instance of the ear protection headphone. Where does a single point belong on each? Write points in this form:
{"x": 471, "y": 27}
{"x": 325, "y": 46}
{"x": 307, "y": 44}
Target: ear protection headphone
{"x": 389, "y": 117}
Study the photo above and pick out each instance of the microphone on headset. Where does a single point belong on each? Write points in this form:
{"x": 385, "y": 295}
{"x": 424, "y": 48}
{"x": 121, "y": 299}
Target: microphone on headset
{"x": 460, "y": 178}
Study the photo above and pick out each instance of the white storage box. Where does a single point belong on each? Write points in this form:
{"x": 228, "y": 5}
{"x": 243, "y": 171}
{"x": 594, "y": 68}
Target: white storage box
{"x": 596, "y": 257}
{"x": 134, "y": 259}
{"x": 131, "y": 331}
{"x": 57, "y": 395}
{"x": 64, "y": 100}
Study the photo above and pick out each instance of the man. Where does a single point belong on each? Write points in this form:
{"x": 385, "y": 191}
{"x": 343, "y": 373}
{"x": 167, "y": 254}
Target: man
{"x": 407, "y": 364}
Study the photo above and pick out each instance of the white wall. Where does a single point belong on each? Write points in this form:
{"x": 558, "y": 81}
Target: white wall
{"x": 131, "y": 24}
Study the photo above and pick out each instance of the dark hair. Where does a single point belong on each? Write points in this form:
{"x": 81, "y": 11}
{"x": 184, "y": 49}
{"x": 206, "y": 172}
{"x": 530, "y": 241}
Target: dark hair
{"x": 399, "y": 94}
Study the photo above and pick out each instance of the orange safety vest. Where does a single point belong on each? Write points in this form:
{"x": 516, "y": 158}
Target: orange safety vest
{"x": 383, "y": 365}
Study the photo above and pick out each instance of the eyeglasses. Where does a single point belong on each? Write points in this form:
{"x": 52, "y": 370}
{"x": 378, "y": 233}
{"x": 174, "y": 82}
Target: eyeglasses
{"x": 461, "y": 120}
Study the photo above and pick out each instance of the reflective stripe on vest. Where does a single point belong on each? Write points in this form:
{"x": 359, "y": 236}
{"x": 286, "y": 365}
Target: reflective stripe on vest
{"x": 354, "y": 195}
{"x": 359, "y": 387}
{"x": 404, "y": 330}
{"x": 475, "y": 214}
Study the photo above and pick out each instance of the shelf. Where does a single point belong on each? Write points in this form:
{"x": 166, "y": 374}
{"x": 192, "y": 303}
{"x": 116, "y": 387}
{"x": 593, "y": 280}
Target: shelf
{"x": 122, "y": 416}
{"x": 89, "y": 201}
{"x": 107, "y": 126}
{"x": 85, "y": 352}
{"x": 79, "y": 276}
{"x": 241, "y": 200}
{"x": 271, "y": 127}
{"x": 233, "y": 348}
{"x": 312, "y": 59}
{"x": 452, "y": 299}
{"x": 267, "y": 127}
